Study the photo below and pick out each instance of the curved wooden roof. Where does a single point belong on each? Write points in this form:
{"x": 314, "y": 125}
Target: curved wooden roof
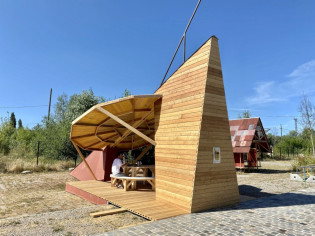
{"x": 125, "y": 123}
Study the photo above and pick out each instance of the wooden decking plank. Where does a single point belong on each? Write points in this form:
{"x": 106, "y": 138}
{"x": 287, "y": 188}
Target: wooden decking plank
{"x": 142, "y": 203}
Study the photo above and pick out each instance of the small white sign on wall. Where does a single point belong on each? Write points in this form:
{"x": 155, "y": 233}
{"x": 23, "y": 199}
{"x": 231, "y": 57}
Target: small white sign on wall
{"x": 216, "y": 155}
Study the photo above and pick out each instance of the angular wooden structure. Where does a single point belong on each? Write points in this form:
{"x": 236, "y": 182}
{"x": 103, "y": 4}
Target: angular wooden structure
{"x": 194, "y": 164}
{"x": 192, "y": 121}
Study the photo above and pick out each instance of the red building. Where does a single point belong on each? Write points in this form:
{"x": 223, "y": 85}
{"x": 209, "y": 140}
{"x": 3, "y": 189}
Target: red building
{"x": 249, "y": 141}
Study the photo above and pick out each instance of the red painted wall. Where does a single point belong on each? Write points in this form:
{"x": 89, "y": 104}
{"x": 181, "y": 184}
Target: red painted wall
{"x": 109, "y": 156}
{"x": 100, "y": 163}
{"x": 252, "y": 158}
{"x": 239, "y": 160}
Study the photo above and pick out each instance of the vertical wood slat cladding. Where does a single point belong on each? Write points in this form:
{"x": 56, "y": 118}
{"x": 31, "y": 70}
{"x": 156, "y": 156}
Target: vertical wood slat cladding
{"x": 190, "y": 120}
{"x": 180, "y": 113}
{"x": 215, "y": 185}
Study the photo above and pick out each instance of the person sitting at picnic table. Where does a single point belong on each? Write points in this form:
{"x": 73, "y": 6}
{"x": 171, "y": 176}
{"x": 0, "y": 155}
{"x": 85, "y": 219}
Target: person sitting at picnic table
{"x": 117, "y": 168}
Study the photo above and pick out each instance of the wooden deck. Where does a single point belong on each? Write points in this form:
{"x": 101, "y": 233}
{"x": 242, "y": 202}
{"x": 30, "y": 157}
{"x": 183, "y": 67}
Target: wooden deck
{"x": 141, "y": 202}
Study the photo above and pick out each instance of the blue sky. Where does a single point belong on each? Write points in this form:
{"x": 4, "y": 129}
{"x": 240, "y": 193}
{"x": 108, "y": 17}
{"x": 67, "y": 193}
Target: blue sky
{"x": 267, "y": 51}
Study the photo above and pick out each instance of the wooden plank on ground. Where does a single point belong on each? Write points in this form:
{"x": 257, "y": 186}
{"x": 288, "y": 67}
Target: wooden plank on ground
{"x": 108, "y": 212}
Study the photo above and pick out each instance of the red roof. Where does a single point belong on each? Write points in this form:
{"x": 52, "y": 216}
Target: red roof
{"x": 244, "y": 132}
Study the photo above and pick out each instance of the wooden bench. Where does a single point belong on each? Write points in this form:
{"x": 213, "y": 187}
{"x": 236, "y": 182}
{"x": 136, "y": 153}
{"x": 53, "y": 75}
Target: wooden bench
{"x": 128, "y": 182}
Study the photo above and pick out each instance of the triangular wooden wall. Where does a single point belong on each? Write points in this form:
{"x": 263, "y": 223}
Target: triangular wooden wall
{"x": 191, "y": 119}
{"x": 215, "y": 183}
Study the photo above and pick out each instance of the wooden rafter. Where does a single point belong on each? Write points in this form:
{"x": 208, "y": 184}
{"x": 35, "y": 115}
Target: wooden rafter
{"x": 116, "y": 130}
{"x": 119, "y": 114}
{"x": 104, "y": 140}
{"x": 119, "y": 125}
{"x": 147, "y": 125}
{"x": 90, "y": 135}
{"x": 130, "y": 128}
{"x": 142, "y": 110}
{"x": 142, "y": 154}
{"x": 85, "y": 124}
{"x": 136, "y": 139}
{"x": 83, "y": 159}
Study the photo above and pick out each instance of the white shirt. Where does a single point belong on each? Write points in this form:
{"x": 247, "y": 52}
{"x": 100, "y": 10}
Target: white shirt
{"x": 116, "y": 166}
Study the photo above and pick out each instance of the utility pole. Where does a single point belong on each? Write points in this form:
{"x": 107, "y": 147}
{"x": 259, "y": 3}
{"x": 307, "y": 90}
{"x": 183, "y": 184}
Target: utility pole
{"x": 37, "y": 152}
{"x": 49, "y": 103}
{"x": 295, "y": 120}
{"x": 280, "y": 139}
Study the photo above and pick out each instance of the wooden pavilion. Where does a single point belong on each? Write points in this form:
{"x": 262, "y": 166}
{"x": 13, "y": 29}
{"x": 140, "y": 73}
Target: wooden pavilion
{"x": 186, "y": 120}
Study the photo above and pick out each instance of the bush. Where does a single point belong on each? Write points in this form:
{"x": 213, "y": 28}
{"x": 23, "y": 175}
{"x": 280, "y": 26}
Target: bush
{"x": 303, "y": 160}
{"x": 11, "y": 164}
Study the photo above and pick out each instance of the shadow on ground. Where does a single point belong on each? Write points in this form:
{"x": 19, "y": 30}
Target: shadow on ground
{"x": 276, "y": 200}
{"x": 267, "y": 171}
{"x": 252, "y": 191}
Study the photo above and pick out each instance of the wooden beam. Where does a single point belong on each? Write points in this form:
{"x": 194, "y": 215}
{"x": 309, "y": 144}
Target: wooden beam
{"x": 141, "y": 110}
{"x": 121, "y": 113}
{"x": 129, "y": 127}
{"x": 84, "y": 124}
{"x": 108, "y": 212}
{"x": 103, "y": 121}
{"x": 112, "y": 136}
{"x": 117, "y": 132}
{"x": 122, "y": 127}
{"x": 81, "y": 155}
{"x": 119, "y": 125}
{"x": 90, "y": 135}
{"x": 92, "y": 144}
{"x": 142, "y": 154}
{"x": 146, "y": 122}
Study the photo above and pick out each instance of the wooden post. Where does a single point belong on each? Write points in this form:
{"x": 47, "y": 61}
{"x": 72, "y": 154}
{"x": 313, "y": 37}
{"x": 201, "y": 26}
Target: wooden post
{"x": 49, "y": 104}
{"x": 75, "y": 161}
{"x": 37, "y": 152}
{"x": 240, "y": 161}
{"x": 81, "y": 155}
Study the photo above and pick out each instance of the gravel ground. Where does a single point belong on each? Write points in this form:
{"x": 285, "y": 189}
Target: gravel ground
{"x": 67, "y": 222}
{"x": 36, "y": 204}
{"x": 272, "y": 178}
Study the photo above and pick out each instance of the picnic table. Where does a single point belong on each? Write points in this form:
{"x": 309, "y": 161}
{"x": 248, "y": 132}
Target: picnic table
{"x": 142, "y": 170}
{"x": 138, "y": 171}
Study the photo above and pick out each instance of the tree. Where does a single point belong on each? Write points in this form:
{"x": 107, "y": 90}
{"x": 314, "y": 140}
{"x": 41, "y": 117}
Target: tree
{"x": 126, "y": 93}
{"x": 54, "y": 136}
{"x": 6, "y": 134}
{"x": 20, "y": 125}
{"x": 245, "y": 114}
{"x": 13, "y": 120}
{"x": 307, "y": 111}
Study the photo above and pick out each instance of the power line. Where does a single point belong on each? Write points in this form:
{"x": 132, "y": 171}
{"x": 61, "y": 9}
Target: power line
{"x": 276, "y": 116}
{"x": 24, "y": 106}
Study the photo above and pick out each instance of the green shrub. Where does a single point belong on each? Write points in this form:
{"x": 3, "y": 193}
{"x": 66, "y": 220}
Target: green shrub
{"x": 303, "y": 161}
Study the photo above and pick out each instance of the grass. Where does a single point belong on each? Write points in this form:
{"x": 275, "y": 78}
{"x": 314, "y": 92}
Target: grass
{"x": 15, "y": 223}
{"x": 15, "y": 164}
{"x": 58, "y": 229}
